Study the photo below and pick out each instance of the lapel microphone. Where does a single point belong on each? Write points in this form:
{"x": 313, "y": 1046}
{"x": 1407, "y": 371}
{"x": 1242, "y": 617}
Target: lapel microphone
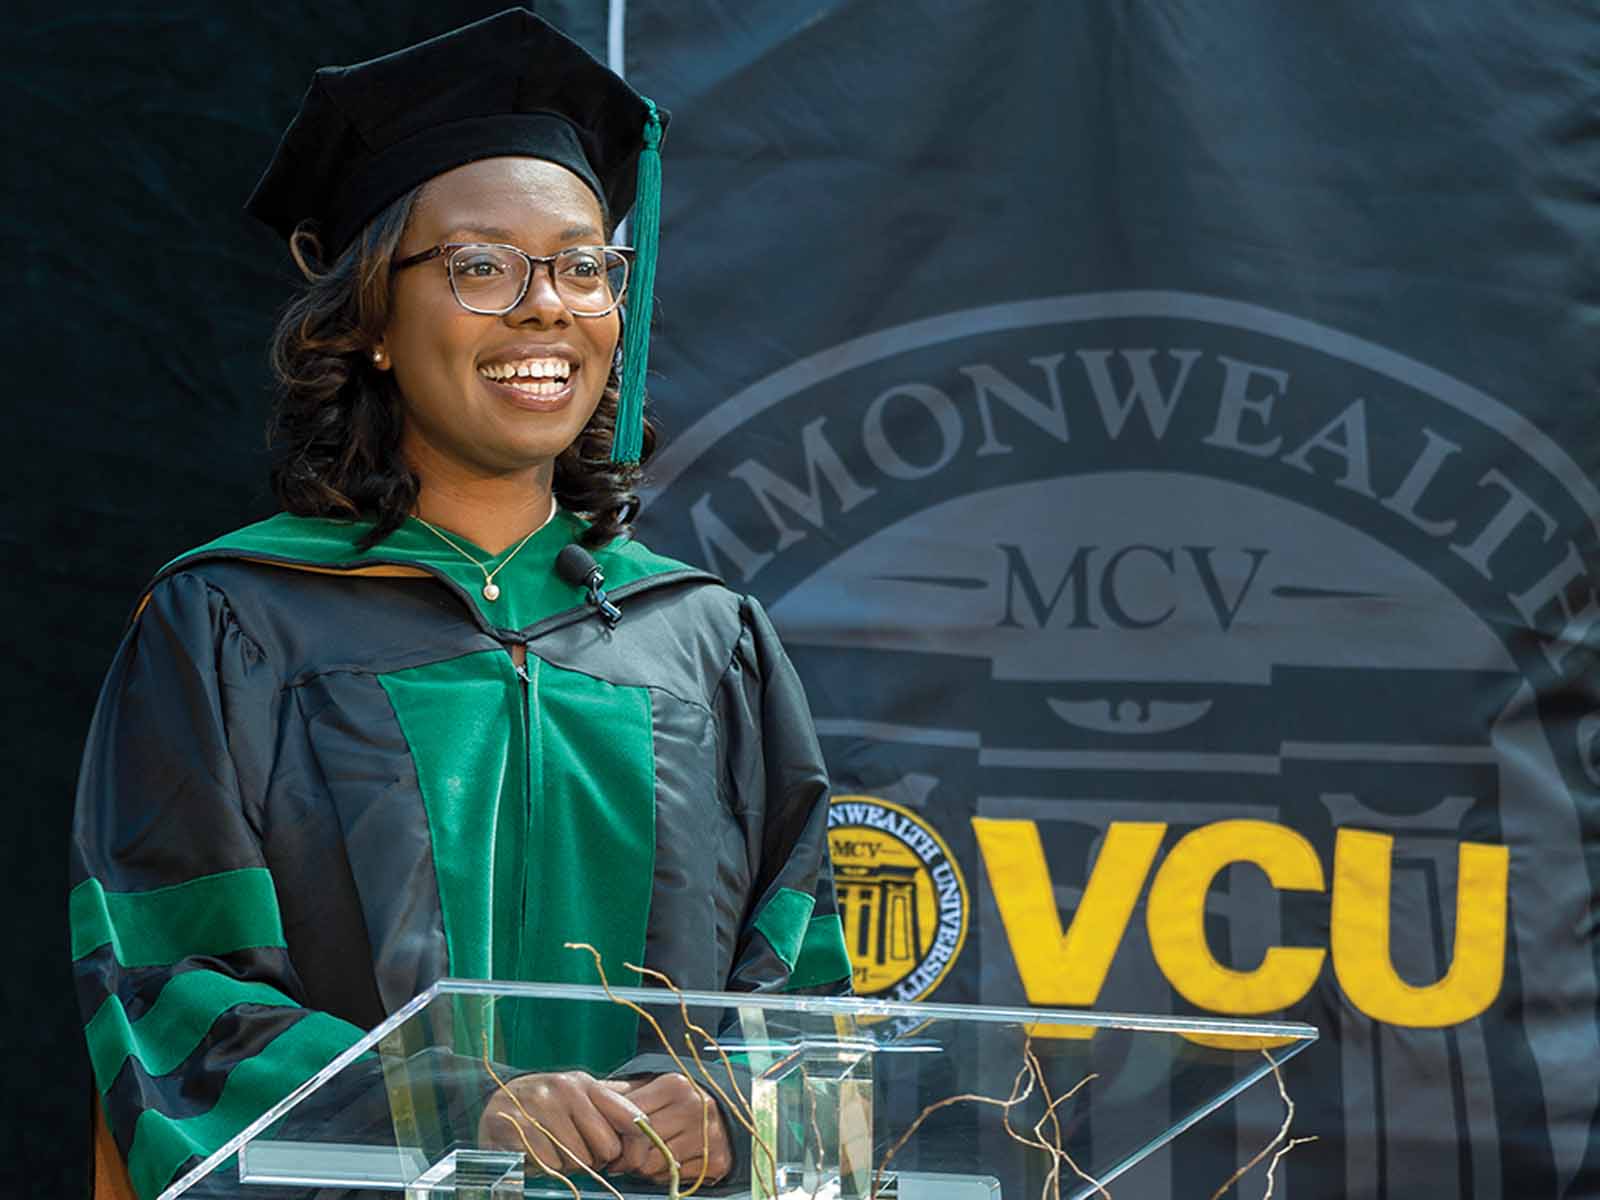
{"x": 577, "y": 566}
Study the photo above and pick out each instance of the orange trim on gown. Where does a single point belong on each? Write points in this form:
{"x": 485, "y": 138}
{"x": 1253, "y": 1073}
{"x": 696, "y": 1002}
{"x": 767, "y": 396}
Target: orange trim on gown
{"x": 111, "y": 1180}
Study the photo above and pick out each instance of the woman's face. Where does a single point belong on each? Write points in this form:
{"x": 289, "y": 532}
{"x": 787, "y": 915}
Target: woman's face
{"x": 457, "y": 419}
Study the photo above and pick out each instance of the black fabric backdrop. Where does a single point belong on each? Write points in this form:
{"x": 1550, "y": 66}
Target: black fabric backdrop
{"x": 1021, "y": 261}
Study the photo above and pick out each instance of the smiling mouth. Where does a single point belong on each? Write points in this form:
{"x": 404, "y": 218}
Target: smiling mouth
{"x": 537, "y": 377}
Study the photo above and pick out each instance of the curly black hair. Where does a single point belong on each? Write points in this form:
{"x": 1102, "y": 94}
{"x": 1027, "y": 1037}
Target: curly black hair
{"x": 335, "y": 429}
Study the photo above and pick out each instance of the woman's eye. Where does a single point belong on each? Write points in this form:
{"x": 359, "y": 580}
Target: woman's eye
{"x": 481, "y": 268}
{"x": 582, "y": 266}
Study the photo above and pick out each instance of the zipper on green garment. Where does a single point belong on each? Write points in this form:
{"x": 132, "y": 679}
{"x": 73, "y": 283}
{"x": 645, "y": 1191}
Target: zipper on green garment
{"x": 533, "y": 812}
{"x": 513, "y": 1032}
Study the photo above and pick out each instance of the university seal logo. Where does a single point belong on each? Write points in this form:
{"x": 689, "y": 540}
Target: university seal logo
{"x": 1241, "y": 664}
{"x": 902, "y": 899}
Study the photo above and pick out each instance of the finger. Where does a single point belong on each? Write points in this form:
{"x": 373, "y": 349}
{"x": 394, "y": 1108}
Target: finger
{"x": 619, "y": 1110}
{"x": 652, "y": 1095}
{"x": 561, "y": 1129}
{"x": 643, "y": 1157}
{"x": 664, "y": 1091}
{"x": 689, "y": 1148}
{"x": 688, "y": 1172}
{"x": 688, "y": 1122}
{"x": 656, "y": 1169}
{"x": 621, "y": 1116}
{"x": 636, "y": 1151}
{"x": 689, "y": 1115}
{"x": 504, "y": 1127}
{"x": 517, "y": 1134}
{"x": 706, "y": 1144}
{"x": 594, "y": 1129}
{"x": 655, "y": 1166}
{"x": 493, "y": 1133}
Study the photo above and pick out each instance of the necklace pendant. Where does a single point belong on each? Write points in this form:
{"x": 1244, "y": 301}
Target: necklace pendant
{"x": 491, "y": 591}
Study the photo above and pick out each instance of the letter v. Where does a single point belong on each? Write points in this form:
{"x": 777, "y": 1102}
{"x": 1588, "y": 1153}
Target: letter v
{"x": 1201, "y": 556}
{"x": 1068, "y": 968}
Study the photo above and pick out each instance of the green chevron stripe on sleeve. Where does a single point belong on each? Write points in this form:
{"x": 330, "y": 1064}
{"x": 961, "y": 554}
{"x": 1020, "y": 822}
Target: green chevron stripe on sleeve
{"x": 171, "y": 1029}
{"x": 214, "y": 914}
{"x": 161, "y": 1145}
{"x": 783, "y": 922}
{"x": 823, "y": 957}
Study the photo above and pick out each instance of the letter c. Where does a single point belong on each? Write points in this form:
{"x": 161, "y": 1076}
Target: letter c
{"x": 1176, "y": 908}
{"x": 1112, "y": 603}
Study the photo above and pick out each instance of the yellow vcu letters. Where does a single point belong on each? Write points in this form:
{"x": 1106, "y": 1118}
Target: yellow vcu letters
{"x": 1069, "y": 968}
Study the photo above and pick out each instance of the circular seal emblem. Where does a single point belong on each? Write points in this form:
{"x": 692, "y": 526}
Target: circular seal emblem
{"x": 901, "y": 897}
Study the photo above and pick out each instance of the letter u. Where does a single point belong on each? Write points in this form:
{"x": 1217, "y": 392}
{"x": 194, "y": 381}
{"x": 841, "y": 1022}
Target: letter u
{"x": 1362, "y": 959}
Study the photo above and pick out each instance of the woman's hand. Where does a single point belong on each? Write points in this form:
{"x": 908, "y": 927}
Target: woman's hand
{"x": 591, "y": 1120}
{"x": 687, "y": 1120}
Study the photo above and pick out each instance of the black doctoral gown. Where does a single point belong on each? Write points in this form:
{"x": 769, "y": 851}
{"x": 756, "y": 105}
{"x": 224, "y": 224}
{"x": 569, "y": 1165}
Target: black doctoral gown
{"x": 317, "y": 782}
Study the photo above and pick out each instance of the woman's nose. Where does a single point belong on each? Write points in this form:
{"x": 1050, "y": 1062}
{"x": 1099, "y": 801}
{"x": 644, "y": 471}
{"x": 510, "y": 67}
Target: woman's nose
{"x": 541, "y": 303}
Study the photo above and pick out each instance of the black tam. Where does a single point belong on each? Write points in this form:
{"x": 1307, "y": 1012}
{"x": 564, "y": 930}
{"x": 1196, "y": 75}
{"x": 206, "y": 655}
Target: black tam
{"x": 511, "y": 84}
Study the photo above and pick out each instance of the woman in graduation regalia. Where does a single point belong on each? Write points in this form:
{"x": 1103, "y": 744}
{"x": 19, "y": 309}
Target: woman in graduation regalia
{"x": 382, "y": 738}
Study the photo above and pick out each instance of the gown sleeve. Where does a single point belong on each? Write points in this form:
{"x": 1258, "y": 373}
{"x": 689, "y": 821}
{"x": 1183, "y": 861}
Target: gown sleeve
{"x": 193, "y": 1013}
{"x": 791, "y": 939}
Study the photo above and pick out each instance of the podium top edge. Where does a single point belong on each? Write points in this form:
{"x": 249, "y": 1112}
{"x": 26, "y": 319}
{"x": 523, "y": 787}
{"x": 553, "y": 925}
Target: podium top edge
{"x": 857, "y": 1006}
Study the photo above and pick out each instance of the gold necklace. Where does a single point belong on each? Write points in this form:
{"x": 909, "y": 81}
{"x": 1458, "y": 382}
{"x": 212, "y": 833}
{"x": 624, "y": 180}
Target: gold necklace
{"x": 491, "y": 589}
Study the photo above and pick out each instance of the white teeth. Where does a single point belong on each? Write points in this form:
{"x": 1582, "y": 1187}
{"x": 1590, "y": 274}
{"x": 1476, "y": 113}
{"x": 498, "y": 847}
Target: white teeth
{"x": 528, "y": 368}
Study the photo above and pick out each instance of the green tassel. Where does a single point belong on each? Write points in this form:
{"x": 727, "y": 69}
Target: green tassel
{"x": 627, "y": 440}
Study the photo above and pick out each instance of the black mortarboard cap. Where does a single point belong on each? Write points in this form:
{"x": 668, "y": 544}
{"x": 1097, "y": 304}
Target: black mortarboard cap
{"x": 510, "y": 84}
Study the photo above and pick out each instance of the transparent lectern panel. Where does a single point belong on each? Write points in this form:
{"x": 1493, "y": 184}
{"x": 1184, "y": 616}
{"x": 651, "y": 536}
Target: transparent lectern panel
{"x": 824, "y": 1099}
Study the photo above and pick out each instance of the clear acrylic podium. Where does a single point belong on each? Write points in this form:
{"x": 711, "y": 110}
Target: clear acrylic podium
{"x": 826, "y": 1099}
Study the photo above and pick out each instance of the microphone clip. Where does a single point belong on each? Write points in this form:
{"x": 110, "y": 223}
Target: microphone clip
{"x": 578, "y": 567}
{"x": 595, "y": 596}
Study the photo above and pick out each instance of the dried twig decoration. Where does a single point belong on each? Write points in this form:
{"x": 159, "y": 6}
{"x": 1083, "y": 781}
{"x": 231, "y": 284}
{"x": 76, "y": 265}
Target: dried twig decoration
{"x": 741, "y": 1112}
{"x": 673, "y": 1166}
{"x": 1272, "y": 1167}
{"x": 816, "y": 1130}
{"x": 1019, "y": 1093}
{"x": 528, "y": 1151}
{"x": 1056, "y": 1148}
{"x": 1282, "y": 1136}
{"x": 666, "y": 1045}
{"x": 605, "y": 984}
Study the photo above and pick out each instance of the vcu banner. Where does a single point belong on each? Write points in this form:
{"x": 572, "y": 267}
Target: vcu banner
{"x": 1165, "y": 437}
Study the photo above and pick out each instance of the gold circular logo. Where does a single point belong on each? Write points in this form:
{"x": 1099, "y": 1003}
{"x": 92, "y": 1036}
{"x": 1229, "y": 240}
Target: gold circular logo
{"x": 902, "y": 899}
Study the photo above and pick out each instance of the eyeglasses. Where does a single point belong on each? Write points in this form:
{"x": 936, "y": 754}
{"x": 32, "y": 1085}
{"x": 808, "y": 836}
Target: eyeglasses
{"x": 492, "y": 279}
